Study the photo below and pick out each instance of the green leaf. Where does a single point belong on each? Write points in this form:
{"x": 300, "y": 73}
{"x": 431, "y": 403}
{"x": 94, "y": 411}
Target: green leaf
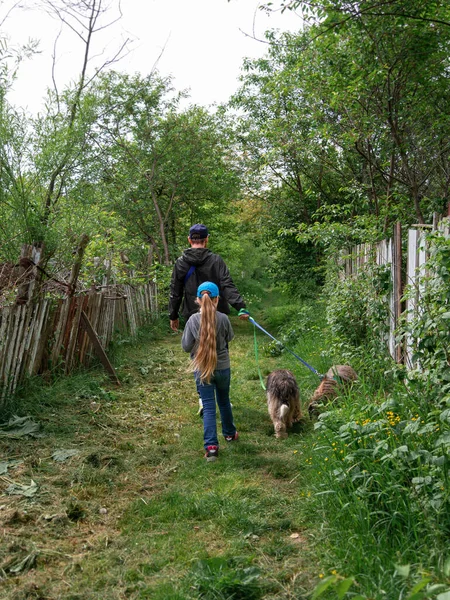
{"x": 62, "y": 455}
{"x": 9, "y": 464}
{"x": 20, "y": 427}
{"x": 438, "y": 587}
{"x": 17, "y": 489}
{"x": 444, "y": 596}
{"x": 446, "y": 568}
{"x": 24, "y": 565}
{"x": 414, "y": 595}
{"x": 343, "y": 587}
{"x": 443, "y": 440}
{"x": 403, "y": 570}
{"x": 323, "y": 586}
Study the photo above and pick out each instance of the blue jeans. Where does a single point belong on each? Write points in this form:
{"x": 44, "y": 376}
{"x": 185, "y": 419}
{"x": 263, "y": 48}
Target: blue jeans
{"x": 218, "y": 389}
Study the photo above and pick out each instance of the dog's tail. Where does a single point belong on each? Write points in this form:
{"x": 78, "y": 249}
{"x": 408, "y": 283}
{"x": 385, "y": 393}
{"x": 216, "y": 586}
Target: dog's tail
{"x": 284, "y": 410}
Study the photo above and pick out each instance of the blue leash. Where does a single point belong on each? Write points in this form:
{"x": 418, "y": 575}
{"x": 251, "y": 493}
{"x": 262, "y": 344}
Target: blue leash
{"x": 290, "y": 351}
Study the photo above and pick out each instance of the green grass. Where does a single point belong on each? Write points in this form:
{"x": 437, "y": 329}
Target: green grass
{"x": 139, "y": 513}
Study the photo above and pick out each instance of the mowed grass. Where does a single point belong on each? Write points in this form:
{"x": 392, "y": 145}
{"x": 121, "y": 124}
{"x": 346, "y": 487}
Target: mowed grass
{"x": 138, "y": 513}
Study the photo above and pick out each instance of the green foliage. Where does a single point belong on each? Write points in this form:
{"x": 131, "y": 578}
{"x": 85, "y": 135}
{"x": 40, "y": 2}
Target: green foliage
{"x": 299, "y": 325}
{"x": 119, "y": 161}
{"x": 427, "y": 330}
{"x": 161, "y": 167}
{"x": 339, "y": 585}
{"x": 382, "y": 480}
{"x": 358, "y": 315}
{"x": 220, "y": 579}
{"x": 381, "y": 459}
{"x": 345, "y": 126}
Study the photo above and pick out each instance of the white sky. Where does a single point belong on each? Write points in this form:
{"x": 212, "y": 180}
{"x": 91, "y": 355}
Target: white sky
{"x": 204, "y": 41}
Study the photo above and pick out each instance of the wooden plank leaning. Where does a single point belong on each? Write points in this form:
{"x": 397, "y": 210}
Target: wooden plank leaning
{"x": 98, "y": 348}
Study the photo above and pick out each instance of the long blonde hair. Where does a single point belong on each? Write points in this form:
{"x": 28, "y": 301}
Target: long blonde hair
{"x": 205, "y": 359}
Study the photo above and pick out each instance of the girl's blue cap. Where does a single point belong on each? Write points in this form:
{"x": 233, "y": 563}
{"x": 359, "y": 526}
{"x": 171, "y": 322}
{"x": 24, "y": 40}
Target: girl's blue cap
{"x": 209, "y": 287}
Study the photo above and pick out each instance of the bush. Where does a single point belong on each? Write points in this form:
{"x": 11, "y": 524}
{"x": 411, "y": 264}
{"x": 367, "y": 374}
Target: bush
{"x": 358, "y": 317}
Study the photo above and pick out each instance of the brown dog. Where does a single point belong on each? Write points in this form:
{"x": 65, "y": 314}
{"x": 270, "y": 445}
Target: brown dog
{"x": 329, "y": 387}
{"x": 283, "y": 401}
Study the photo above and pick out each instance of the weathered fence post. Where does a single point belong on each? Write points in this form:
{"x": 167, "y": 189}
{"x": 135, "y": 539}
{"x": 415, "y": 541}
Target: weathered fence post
{"x": 397, "y": 287}
{"x": 77, "y": 264}
{"x": 29, "y": 274}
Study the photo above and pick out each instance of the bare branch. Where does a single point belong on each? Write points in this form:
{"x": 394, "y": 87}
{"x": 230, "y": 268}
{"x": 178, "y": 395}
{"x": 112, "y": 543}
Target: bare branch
{"x": 55, "y": 85}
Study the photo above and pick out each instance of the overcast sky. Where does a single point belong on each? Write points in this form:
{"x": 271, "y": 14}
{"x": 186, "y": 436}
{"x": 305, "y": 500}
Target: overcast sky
{"x": 203, "y": 43}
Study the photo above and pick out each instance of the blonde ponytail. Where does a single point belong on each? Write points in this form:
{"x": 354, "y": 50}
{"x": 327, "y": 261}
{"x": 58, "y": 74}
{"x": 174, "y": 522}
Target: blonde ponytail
{"x": 205, "y": 360}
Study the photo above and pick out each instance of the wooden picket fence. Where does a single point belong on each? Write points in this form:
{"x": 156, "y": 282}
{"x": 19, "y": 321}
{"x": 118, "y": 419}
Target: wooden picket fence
{"x": 65, "y": 333}
{"x": 389, "y": 253}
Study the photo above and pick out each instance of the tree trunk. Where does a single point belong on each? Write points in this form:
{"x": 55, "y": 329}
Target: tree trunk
{"x": 77, "y": 264}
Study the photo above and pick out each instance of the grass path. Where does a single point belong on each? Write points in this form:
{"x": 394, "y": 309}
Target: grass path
{"x": 138, "y": 513}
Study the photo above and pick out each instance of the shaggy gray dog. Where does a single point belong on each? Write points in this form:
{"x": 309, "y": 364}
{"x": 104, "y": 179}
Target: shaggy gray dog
{"x": 336, "y": 376}
{"x": 283, "y": 401}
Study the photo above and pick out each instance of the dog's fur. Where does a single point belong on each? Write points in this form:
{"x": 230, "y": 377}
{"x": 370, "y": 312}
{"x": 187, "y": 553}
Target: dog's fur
{"x": 283, "y": 401}
{"x": 336, "y": 376}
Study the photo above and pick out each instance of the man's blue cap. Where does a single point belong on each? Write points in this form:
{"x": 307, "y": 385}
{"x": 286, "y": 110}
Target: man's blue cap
{"x": 210, "y": 288}
{"x": 198, "y": 232}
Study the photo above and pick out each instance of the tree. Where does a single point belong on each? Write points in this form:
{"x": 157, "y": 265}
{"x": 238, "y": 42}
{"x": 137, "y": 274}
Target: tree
{"x": 371, "y": 94}
{"x": 85, "y": 19}
{"x": 161, "y": 166}
{"x": 42, "y": 158}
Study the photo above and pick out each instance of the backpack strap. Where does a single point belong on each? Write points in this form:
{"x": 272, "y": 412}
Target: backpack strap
{"x": 189, "y": 273}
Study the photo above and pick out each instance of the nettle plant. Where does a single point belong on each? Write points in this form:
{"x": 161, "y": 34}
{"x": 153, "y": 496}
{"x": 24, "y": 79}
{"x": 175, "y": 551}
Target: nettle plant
{"x": 358, "y": 314}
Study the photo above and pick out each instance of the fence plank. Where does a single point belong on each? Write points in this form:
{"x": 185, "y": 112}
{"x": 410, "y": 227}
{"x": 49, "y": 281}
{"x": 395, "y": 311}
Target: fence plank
{"x": 98, "y": 348}
{"x": 38, "y": 340}
{"x": 26, "y": 313}
{"x": 28, "y": 329}
{"x": 411, "y": 279}
{"x": 397, "y": 288}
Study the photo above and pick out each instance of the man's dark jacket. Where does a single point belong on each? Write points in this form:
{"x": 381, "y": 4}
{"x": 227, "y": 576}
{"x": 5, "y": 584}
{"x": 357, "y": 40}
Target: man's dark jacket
{"x": 208, "y": 267}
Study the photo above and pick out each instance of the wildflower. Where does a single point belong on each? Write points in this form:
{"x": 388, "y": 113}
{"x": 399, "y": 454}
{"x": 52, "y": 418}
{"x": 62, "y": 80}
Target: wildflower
{"x": 320, "y": 575}
{"x": 334, "y": 572}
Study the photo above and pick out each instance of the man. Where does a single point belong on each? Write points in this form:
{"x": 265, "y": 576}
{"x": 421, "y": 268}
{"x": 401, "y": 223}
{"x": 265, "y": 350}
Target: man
{"x": 197, "y": 265}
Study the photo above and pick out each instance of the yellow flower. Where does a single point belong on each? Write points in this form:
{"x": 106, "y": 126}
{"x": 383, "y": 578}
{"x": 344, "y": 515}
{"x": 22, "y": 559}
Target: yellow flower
{"x": 321, "y": 575}
{"x": 334, "y": 572}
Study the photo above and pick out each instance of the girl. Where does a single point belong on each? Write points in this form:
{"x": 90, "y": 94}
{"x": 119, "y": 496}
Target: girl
{"x": 206, "y": 337}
